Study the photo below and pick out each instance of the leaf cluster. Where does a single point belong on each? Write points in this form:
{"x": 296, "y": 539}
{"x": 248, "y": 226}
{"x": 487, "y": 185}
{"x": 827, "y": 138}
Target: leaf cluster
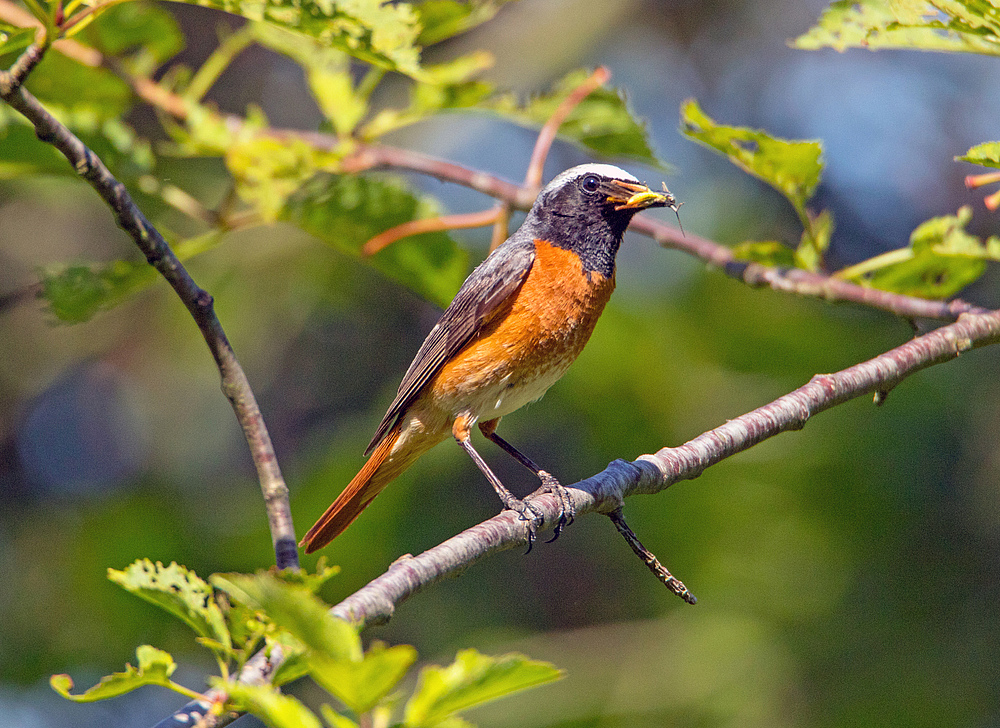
{"x": 233, "y": 615}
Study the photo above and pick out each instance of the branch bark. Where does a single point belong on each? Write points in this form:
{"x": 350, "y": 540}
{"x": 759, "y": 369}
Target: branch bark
{"x": 199, "y": 303}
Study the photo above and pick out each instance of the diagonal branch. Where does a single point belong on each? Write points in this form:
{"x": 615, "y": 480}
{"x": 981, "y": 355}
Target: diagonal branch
{"x": 605, "y": 492}
{"x": 198, "y": 302}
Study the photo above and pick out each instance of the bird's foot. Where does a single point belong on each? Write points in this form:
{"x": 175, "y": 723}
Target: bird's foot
{"x": 526, "y": 512}
{"x": 566, "y": 510}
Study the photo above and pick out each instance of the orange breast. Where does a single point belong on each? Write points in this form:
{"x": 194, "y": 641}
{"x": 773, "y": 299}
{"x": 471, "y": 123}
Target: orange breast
{"x": 531, "y": 342}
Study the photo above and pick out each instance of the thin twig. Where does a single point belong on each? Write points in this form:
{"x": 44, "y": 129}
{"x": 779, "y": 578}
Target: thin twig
{"x": 649, "y": 558}
{"x": 429, "y": 225}
{"x": 199, "y": 303}
{"x": 547, "y": 134}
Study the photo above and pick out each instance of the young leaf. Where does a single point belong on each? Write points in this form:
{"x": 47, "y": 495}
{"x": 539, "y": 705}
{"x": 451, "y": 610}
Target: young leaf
{"x": 944, "y": 25}
{"x": 987, "y": 154}
{"x": 471, "y": 680}
{"x": 361, "y": 685}
{"x": 441, "y": 19}
{"x": 815, "y": 241}
{"x": 345, "y": 212}
{"x": 268, "y": 704}
{"x": 375, "y": 31}
{"x": 602, "y": 122}
{"x": 769, "y": 252}
{"x": 295, "y": 609}
{"x": 155, "y": 668}
{"x": 177, "y": 590}
{"x": 791, "y": 167}
{"x": 941, "y": 260}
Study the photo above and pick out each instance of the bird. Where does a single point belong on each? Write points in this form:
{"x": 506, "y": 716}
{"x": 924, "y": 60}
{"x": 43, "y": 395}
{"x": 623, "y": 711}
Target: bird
{"x": 513, "y": 329}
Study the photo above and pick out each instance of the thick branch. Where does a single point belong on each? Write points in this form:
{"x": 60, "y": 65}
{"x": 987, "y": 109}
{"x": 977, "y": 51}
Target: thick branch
{"x": 200, "y": 304}
{"x": 605, "y": 492}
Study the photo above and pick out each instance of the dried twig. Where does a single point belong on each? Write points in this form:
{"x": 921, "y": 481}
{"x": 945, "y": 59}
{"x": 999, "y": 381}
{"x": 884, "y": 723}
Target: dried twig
{"x": 649, "y": 559}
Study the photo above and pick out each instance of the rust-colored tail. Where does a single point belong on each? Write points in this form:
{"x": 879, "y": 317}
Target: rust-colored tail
{"x": 382, "y": 468}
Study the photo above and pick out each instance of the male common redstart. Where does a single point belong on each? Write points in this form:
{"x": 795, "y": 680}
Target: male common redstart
{"x": 515, "y": 326}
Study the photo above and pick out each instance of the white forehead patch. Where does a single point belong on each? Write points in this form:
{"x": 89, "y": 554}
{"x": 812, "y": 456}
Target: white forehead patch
{"x": 605, "y": 170}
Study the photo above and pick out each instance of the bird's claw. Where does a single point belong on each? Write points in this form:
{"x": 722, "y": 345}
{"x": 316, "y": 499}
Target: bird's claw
{"x": 567, "y": 512}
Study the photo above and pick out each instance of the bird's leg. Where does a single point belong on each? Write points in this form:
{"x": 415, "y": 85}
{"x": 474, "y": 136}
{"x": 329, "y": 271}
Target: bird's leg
{"x": 549, "y": 482}
{"x": 527, "y": 511}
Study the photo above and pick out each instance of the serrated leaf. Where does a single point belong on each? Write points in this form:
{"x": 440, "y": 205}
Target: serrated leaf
{"x": 941, "y": 260}
{"x": 471, "y": 680}
{"x": 987, "y": 154}
{"x": 943, "y": 25}
{"x": 345, "y": 212}
{"x": 768, "y": 252}
{"x": 75, "y": 293}
{"x": 268, "y": 704}
{"x": 791, "y": 167}
{"x": 361, "y": 685}
{"x": 602, "y": 122}
{"x": 155, "y": 668}
{"x": 375, "y": 31}
{"x": 177, "y": 590}
{"x": 296, "y": 609}
{"x": 312, "y": 581}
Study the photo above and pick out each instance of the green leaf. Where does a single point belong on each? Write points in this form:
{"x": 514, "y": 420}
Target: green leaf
{"x": 268, "y": 704}
{"x": 76, "y": 292}
{"x": 296, "y": 609}
{"x": 791, "y": 167}
{"x": 62, "y": 83}
{"x": 944, "y": 25}
{"x": 941, "y": 260}
{"x": 471, "y": 680}
{"x": 441, "y": 19}
{"x": 13, "y": 42}
{"x": 146, "y": 31}
{"x": 986, "y": 154}
{"x": 815, "y": 241}
{"x": 345, "y": 212}
{"x": 602, "y": 122}
{"x": 155, "y": 668}
{"x": 178, "y": 591}
{"x": 375, "y": 31}
{"x": 361, "y": 685}
{"x": 335, "y": 719}
{"x": 769, "y": 252}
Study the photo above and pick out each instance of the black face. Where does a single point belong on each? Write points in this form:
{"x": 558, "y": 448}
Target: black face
{"x": 588, "y": 213}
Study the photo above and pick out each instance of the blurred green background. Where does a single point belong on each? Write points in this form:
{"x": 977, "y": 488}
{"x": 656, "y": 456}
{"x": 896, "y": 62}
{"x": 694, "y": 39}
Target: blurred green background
{"x": 847, "y": 574}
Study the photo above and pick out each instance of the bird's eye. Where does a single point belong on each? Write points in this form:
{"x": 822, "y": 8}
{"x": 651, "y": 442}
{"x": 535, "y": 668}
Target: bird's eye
{"x": 591, "y": 183}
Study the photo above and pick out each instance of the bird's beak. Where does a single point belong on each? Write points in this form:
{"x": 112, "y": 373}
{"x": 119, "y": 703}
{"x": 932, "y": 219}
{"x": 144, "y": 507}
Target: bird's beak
{"x": 632, "y": 196}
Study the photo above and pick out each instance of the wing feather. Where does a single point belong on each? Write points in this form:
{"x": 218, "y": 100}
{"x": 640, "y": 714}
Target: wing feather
{"x": 484, "y": 293}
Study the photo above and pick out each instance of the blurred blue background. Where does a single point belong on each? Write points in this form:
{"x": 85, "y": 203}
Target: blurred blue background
{"x": 847, "y": 574}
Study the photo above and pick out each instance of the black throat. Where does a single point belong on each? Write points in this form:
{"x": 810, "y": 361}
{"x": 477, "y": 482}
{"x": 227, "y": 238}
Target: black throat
{"x": 594, "y": 235}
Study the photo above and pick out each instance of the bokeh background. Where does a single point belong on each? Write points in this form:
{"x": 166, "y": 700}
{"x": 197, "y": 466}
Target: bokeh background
{"x": 847, "y": 574}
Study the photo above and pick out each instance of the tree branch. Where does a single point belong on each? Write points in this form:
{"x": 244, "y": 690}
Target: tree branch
{"x": 198, "y": 302}
{"x": 605, "y": 492}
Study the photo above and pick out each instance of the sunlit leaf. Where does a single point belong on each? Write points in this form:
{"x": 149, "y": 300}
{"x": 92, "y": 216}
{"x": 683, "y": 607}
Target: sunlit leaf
{"x": 268, "y": 704}
{"x": 471, "y": 680}
{"x": 941, "y": 260}
{"x": 296, "y": 609}
{"x": 602, "y": 122}
{"x": 155, "y": 668}
{"x": 441, "y": 19}
{"x": 986, "y": 154}
{"x": 815, "y": 241}
{"x": 360, "y": 685}
{"x": 178, "y": 591}
{"x": 943, "y": 25}
{"x": 372, "y": 30}
{"x": 791, "y": 167}
{"x": 345, "y": 212}
{"x": 335, "y": 719}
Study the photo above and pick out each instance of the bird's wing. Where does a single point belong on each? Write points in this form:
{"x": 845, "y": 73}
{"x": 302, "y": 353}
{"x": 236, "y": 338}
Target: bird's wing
{"x": 482, "y": 295}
